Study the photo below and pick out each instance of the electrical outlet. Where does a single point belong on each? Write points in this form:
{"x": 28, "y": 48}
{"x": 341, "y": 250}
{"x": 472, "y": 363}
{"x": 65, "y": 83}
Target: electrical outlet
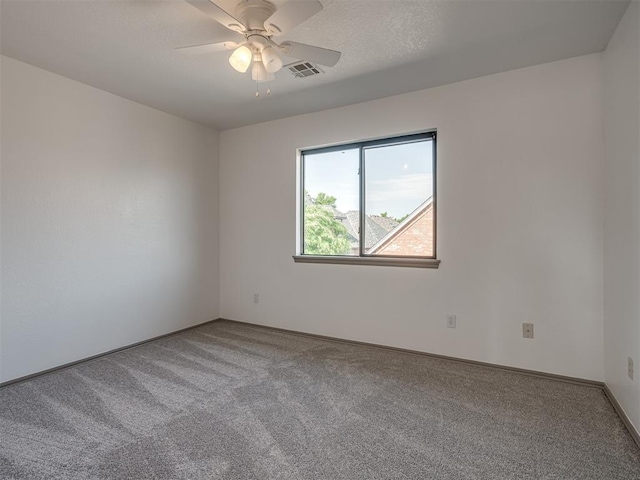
{"x": 527, "y": 330}
{"x": 256, "y": 298}
{"x": 451, "y": 321}
{"x": 630, "y": 367}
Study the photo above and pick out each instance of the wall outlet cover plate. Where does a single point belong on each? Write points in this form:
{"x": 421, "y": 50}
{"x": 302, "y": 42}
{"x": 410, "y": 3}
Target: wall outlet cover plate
{"x": 451, "y": 321}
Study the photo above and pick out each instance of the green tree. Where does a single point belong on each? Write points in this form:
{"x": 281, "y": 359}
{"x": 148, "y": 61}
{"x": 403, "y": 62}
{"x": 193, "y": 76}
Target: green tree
{"x": 324, "y": 199}
{"x": 323, "y": 234}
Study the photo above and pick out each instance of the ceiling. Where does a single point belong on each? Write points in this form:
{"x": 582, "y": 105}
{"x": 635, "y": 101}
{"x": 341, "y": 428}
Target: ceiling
{"x": 388, "y": 47}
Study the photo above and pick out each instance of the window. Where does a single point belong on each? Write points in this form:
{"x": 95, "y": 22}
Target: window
{"x": 369, "y": 202}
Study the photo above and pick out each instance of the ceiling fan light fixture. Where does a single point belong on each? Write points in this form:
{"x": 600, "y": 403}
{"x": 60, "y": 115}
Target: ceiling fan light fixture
{"x": 258, "y": 71}
{"x": 257, "y": 21}
{"x": 271, "y": 60}
{"x": 240, "y": 59}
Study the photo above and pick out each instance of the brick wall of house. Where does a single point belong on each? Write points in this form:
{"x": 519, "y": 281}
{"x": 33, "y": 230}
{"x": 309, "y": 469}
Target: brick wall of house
{"x": 415, "y": 240}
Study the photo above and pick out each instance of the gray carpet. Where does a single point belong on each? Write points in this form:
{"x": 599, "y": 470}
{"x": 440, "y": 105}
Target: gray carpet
{"x": 231, "y": 401}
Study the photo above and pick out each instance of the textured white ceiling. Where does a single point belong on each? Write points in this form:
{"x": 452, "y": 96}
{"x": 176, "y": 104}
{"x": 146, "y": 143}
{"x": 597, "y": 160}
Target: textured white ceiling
{"x": 388, "y": 47}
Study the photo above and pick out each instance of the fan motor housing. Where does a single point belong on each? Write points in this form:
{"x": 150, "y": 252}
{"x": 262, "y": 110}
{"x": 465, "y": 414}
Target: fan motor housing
{"x": 253, "y": 13}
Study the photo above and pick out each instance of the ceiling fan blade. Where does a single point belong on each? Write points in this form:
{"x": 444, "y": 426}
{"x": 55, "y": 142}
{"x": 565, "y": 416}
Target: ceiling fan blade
{"x": 207, "y": 48}
{"x": 290, "y": 15}
{"x": 218, "y": 14}
{"x": 302, "y": 51}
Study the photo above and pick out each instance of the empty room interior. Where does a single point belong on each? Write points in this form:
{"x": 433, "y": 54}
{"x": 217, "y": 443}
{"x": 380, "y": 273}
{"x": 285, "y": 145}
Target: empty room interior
{"x": 320, "y": 239}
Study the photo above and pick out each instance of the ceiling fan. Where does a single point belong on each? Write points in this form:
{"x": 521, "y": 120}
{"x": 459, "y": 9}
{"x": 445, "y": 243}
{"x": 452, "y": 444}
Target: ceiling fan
{"x": 253, "y": 24}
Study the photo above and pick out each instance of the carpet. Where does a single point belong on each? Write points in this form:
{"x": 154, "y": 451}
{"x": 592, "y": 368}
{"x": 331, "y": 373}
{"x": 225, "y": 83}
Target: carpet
{"x": 233, "y": 401}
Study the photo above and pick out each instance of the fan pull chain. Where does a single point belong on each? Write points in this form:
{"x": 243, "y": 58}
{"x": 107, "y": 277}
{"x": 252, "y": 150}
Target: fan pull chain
{"x": 258, "y": 91}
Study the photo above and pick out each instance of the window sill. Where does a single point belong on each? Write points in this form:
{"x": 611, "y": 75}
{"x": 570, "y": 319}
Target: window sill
{"x": 378, "y": 261}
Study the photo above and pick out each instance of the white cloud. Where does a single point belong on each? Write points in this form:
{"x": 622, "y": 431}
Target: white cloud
{"x": 400, "y": 195}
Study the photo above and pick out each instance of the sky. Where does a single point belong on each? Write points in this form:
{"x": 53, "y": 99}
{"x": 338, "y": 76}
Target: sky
{"x": 398, "y": 178}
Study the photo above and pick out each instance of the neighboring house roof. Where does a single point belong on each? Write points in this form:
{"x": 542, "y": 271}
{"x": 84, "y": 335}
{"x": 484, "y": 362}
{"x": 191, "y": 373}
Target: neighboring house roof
{"x": 403, "y": 227}
{"x": 377, "y": 227}
{"x": 387, "y": 223}
{"x": 350, "y": 221}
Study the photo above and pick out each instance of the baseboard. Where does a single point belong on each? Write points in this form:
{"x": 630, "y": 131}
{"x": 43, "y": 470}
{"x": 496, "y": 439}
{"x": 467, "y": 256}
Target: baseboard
{"x": 622, "y": 414}
{"x": 523, "y": 371}
{"x": 93, "y": 357}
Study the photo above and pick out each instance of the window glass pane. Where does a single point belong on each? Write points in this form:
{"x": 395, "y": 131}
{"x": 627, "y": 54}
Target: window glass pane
{"x": 331, "y": 203}
{"x": 398, "y": 199}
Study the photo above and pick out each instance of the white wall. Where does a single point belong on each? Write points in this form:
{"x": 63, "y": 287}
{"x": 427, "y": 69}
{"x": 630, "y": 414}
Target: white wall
{"x": 520, "y": 224}
{"x": 109, "y": 221}
{"x": 622, "y": 212}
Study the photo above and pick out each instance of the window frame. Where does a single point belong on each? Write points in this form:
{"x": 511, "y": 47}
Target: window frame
{"x": 363, "y": 258}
